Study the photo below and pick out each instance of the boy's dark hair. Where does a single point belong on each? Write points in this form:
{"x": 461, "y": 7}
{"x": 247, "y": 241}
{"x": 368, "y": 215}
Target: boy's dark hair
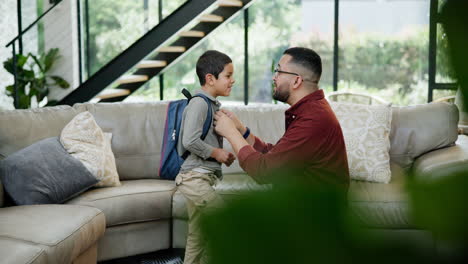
{"x": 306, "y": 58}
{"x": 213, "y": 62}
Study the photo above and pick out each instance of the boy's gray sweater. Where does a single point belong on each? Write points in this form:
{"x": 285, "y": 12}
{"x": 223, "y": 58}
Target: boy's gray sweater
{"x": 193, "y": 118}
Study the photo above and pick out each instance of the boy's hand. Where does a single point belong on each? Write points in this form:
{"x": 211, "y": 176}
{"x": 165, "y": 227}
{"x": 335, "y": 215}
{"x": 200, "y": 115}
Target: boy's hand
{"x": 240, "y": 127}
{"x": 223, "y": 156}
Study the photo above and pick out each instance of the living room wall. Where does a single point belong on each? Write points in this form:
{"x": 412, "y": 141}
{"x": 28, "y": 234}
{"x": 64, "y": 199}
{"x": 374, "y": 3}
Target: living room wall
{"x": 8, "y": 30}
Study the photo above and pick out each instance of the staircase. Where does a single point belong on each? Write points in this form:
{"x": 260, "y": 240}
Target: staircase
{"x": 151, "y": 54}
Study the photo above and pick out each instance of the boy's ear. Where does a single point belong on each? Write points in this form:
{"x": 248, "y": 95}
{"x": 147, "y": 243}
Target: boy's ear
{"x": 209, "y": 78}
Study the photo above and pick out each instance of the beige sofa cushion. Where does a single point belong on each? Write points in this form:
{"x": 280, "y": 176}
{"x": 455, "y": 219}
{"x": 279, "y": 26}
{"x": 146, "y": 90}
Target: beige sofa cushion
{"x": 21, "y": 128}
{"x": 63, "y": 231}
{"x": 267, "y": 122}
{"x": 134, "y": 239}
{"x": 264, "y": 120}
{"x": 17, "y": 251}
{"x": 135, "y": 201}
{"x": 379, "y": 205}
{"x": 137, "y": 131}
{"x": 442, "y": 158}
{"x": 376, "y": 205}
{"x": 421, "y": 128}
{"x": 85, "y": 141}
{"x": 366, "y": 130}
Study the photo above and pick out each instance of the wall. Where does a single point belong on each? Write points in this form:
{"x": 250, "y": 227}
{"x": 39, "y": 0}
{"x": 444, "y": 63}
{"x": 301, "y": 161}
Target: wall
{"x": 61, "y": 31}
{"x": 8, "y": 30}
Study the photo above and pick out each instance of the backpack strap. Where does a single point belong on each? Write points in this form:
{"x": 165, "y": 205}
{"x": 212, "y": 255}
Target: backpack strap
{"x": 187, "y": 94}
{"x": 209, "y": 118}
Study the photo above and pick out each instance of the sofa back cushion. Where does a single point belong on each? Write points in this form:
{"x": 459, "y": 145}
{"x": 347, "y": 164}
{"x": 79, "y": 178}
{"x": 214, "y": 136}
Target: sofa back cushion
{"x": 137, "y": 133}
{"x": 421, "y": 128}
{"x": 266, "y": 121}
{"x": 21, "y": 128}
{"x": 414, "y": 131}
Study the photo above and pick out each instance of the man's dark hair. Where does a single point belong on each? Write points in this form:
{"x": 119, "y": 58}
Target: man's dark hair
{"x": 213, "y": 62}
{"x": 306, "y": 58}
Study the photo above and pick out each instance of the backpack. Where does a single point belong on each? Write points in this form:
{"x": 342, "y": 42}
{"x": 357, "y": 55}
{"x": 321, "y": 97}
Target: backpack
{"x": 171, "y": 160}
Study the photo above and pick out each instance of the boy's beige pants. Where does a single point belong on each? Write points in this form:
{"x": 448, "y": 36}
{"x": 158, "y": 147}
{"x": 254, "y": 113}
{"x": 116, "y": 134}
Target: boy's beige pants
{"x": 198, "y": 189}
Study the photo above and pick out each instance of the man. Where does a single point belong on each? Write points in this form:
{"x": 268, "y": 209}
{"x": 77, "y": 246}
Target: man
{"x": 312, "y": 148}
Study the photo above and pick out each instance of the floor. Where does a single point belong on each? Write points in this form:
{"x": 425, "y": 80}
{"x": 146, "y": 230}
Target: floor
{"x": 169, "y": 256}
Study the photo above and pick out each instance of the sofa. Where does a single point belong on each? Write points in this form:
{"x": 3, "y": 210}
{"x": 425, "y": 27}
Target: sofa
{"x": 147, "y": 214}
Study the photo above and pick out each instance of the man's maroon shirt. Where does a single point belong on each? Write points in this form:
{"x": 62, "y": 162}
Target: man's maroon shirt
{"x": 312, "y": 146}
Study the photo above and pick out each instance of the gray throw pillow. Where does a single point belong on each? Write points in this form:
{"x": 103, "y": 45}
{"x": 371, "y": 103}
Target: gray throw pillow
{"x": 44, "y": 173}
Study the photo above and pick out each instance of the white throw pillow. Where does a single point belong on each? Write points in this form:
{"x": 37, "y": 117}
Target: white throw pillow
{"x": 85, "y": 140}
{"x": 366, "y": 130}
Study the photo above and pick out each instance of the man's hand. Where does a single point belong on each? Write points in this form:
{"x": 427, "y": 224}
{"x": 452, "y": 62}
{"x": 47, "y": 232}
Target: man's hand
{"x": 240, "y": 127}
{"x": 224, "y": 125}
{"x": 223, "y": 156}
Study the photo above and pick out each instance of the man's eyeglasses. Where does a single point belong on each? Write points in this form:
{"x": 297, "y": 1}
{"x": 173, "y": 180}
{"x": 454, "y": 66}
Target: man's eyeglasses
{"x": 276, "y": 71}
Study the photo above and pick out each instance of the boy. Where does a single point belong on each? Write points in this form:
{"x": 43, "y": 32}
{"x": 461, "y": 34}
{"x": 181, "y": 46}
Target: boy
{"x": 202, "y": 168}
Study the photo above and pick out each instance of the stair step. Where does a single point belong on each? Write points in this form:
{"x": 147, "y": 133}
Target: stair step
{"x": 172, "y": 49}
{"x": 230, "y": 3}
{"x": 152, "y": 64}
{"x": 192, "y": 33}
{"x": 111, "y": 93}
{"x": 132, "y": 79}
{"x": 211, "y": 18}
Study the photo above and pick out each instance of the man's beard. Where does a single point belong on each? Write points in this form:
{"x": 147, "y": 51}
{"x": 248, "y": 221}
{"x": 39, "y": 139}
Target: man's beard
{"x": 281, "y": 96}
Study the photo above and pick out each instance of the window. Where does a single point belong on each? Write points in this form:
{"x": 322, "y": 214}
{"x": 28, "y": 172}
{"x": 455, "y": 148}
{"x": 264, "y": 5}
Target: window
{"x": 226, "y": 39}
{"x": 383, "y": 49}
{"x": 317, "y": 33}
{"x": 271, "y": 28}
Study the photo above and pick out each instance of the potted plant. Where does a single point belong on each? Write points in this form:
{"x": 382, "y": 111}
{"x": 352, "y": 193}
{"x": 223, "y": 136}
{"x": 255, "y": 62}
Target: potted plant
{"x": 33, "y": 78}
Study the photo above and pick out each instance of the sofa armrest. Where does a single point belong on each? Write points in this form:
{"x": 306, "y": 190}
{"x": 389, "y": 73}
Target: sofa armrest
{"x": 442, "y": 158}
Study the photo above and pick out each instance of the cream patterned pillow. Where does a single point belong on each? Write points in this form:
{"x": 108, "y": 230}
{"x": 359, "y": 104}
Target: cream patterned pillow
{"x": 366, "y": 130}
{"x": 85, "y": 140}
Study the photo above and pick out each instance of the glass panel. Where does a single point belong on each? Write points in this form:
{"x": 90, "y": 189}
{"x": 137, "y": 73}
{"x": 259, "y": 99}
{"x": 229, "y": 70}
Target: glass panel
{"x": 383, "y": 49}
{"x": 113, "y": 26}
{"x": 170, "y": 6}
{"x": 148, "y": 92}
{"x": 317, "y": 33}
{"x": 444, "y": 71}
{"x": 441, "y": 4}
{"x": 227, "y": 38}
{"x": 271, "y": 29}
{"x": 30, "y": 11}
{"x": 153, "y": 13}
{"x": 54, "y": 34}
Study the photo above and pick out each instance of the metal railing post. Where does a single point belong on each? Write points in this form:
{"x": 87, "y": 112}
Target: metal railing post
{"x": 246, "y": 56}
{"x": 161, "y": 76}
{"x": 16, "y": 95}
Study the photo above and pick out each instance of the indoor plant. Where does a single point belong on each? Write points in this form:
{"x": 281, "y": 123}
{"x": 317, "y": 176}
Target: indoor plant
{"x": 33, "y": 78}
